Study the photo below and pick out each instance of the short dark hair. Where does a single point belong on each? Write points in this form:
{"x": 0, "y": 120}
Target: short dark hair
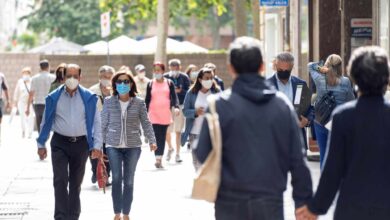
{"x": 133, "y": 88}
{"x": 369, "y": 69}
{"x": 44, "y": 64}
{"x": 72, "y": 65}
{"x": 245, "y": 55}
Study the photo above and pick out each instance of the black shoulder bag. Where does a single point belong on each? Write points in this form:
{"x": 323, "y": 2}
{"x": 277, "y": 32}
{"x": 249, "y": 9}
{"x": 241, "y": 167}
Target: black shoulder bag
{"x": 325, "y": 106}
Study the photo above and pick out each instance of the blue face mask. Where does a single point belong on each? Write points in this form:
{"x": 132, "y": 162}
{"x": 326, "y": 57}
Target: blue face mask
{"x": 122, "y": 88}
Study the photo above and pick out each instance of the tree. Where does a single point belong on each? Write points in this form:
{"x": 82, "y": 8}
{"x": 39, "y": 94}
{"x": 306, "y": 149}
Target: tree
{"x": 162, "y": 31}
{"x": 75, "y": 20}
{"x": 240, "y": 18}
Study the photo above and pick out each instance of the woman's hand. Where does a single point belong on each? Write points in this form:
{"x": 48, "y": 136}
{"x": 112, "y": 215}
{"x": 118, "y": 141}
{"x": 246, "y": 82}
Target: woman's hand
{"x": 200, "y": 111}
{"x": 324, "y": 70}
{"x": 177, "y": 111}
{"x": 153, "y": 147}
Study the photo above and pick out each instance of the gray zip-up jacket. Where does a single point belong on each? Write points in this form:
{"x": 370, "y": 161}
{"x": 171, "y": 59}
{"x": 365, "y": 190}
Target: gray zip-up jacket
{"x": 136, "y": 116}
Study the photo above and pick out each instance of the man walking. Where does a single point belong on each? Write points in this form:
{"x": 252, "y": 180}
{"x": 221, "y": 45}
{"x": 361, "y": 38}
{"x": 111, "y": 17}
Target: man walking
{"x": 72, "y": 115}
{"x": 40, "y": 86}
{"x": 182, "y": 84}
{"x": 141, "y": 80}
{"x": 284, "y": 82}
{"x": 261, "y": 143}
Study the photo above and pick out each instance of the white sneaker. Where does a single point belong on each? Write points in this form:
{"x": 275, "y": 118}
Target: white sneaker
{"x": 169, "y": 155}
{"x": 178, "y": 160}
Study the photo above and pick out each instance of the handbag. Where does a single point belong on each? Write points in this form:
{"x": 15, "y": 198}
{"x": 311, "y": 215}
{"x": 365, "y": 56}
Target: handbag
{"x": 101, "y": 174}
{"x": 207, "y": 181}
{"x": 325, "y": 106}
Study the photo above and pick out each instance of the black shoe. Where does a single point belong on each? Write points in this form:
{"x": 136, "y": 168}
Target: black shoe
{"x": 93, "y": 179}
{"x": 108, "y": 183}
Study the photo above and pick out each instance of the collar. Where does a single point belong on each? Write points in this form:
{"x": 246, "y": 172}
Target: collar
{"x": 67, "y": 93}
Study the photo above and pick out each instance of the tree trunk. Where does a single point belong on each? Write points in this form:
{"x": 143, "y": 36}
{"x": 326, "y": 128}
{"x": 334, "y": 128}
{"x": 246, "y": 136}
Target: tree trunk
{"x": 162, "y": 31}
{"x": 215, "y": 26}
{"x": 256, "y": 18}
{"x": 240, "y": 24}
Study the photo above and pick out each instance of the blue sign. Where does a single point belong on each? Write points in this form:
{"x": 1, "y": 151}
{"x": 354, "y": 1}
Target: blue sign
{"x": 275, "y": 3}
{"x": 362, "y": 32}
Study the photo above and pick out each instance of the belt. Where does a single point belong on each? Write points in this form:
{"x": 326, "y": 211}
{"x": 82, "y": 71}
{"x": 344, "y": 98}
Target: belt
{"x": 71, "y": 139}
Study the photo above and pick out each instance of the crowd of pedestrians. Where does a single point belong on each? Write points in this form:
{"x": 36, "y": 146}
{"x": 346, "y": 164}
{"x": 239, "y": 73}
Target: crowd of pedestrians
{"x": 263, "y": 136}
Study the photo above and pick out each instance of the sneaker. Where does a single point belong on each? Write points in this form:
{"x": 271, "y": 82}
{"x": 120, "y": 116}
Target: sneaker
{"x": 93, "y": 179}
{"x": 178, "y": 160}
{"x": 169, "y": 155}
{"x": 159, "y": 165}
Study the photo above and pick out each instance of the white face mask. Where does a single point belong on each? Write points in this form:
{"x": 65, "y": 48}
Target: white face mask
{"x": 105, "y": 82}
{"x": 175, "y": 73}
{"x": 26, "y": 77}
{"x": 72, "y": 83}
{"x": 194, "y": 75}
{"x": 207, "y": 84}
{"x": 158, "y": 76}
{"x": 141, "y": 75}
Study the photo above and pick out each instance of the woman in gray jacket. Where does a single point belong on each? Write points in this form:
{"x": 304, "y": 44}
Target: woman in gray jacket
{"x": 122, "y": 115}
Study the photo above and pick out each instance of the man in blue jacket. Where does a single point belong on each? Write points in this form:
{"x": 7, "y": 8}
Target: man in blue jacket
{"x": 71, "y": 114}
{"x": 284, "y": 82}
{"x": 261, "y": 143}
{"x": 182, "y": 84}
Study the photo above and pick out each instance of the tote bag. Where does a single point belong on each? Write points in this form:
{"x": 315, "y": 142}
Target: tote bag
{"x": 206, "y": 184}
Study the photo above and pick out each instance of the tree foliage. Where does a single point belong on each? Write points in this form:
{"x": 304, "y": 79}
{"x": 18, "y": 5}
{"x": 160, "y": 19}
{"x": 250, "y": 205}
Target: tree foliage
{"x": 75, "y": 20}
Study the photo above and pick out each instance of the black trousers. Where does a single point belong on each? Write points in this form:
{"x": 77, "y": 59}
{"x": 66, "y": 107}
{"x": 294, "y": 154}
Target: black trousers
{"x": 94, "y": 163}
{"x": 68, "y": 160}
{"x": 160, "y": 131}
{"x": 39, "y": 109}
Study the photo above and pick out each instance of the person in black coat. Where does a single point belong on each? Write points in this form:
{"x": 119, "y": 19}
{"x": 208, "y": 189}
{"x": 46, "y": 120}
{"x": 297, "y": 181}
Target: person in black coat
{"x": 261, "y": 143}
{"x": 357, "y": 162}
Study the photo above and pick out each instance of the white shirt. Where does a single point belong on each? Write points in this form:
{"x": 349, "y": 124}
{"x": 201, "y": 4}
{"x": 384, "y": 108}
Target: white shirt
{"x": 201, "y": 101}
{"x": 141, "y": 85}
{"x": 124, "y": 105}
{"x": 40, "y": 85}
{"x": 21, "y": 91}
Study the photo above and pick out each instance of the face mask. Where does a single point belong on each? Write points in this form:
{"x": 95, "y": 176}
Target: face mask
{"x": 207, "y": 84}
{"x": 158, "y": 76}
{"x": 105, "y": 82}
{"x": 26, "y": 77}
{"x": 122, "y": 88}
{"x": 283, "y": 75}
{"x": 72, "y": 83}
{"x": 141, "y": 75}
{"x": 194, "y": 75}
{"x": 175, "y": 73}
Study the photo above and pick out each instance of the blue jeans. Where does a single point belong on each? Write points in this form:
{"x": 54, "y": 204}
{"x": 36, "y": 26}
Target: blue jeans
{"x": 322, "y": 139}
{"x": 123, "y": 162}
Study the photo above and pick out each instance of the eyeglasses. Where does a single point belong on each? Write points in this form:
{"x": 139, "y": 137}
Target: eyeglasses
{"x": 126, "y": 81}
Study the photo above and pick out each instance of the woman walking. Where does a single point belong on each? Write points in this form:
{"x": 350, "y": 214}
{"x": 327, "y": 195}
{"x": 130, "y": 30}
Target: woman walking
{"x": 21, "y": 95}
{"x": 357, "y": 165}
{"x": 195, "y": 104}
{"x": 59, "y": 77}
{"x": 122, "y": 115}
{"x": 329, "y": 78}
{"x": 160, "y": 99}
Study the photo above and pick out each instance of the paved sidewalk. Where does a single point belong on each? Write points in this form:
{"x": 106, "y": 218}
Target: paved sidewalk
{"x": 26, "y": 190}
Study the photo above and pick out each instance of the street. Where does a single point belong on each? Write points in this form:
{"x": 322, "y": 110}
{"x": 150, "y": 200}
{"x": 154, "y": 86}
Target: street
{"x": 26, "y": 190}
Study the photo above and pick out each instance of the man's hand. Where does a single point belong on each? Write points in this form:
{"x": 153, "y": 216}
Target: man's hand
{"x": 153, "y": 147}
{"x": 303, "y": 122}
{"x": 27, "y": 111}
{"x": 178, "y": 90}
{"x": 96, "y": 154}
{"x": 303, "y": 213}
{"x": 42, "y": 152}
{"x": 200, "y": 111}
{"x": 177, "y": 111}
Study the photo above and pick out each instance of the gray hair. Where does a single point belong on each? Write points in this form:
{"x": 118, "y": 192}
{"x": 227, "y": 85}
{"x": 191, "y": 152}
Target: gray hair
{"x": 106, "y": 69}
{"x": 174, "y": 61}
{"x": 285, "y": 57}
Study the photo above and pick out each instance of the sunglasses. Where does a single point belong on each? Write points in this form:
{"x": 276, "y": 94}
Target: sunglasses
{"x": 126, "y": 81}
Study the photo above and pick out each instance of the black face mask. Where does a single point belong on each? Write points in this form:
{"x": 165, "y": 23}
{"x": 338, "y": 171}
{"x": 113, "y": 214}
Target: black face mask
{"x": 283, "y": 75}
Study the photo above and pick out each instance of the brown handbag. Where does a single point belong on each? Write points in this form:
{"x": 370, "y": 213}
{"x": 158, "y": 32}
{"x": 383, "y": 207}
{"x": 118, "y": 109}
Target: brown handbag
{"x": 206, "y": 183}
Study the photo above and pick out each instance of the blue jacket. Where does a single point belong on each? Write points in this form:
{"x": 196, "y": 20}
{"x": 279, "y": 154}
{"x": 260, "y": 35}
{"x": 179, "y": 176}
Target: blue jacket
{"x": 183, "y": 82}
{"x": 89, "y": 100}
{"x": 295, "y": 81}
{"x": 261, "y": 143}
{"x": 190, "y": 113}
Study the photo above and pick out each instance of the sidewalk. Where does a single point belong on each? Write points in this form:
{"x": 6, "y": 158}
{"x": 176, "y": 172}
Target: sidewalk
{"x": 26, "y": 190}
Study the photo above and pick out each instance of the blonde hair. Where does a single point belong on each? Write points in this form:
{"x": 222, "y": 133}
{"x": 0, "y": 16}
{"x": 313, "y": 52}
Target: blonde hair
{"x": 27, "y": 70}
{"x": 334, "y": 63}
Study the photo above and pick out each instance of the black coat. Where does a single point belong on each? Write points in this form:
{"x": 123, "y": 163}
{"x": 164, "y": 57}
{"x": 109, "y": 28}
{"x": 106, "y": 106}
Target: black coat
{"x": 261, "y": 142}
{"x": 357, "y": 162}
